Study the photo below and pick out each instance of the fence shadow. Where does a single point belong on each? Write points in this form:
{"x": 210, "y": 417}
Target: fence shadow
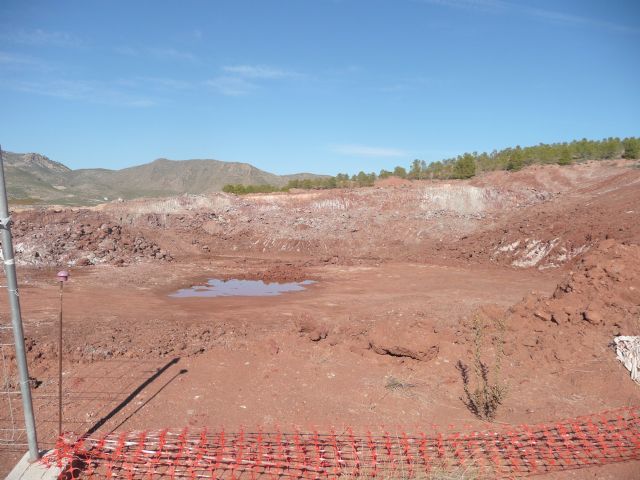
{"x": 80, "y": 462}
{"x": 118, "y": 408}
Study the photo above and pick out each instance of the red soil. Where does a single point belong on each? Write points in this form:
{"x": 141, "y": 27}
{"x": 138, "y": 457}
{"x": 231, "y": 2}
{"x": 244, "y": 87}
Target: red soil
{"x": 402, "y": 273}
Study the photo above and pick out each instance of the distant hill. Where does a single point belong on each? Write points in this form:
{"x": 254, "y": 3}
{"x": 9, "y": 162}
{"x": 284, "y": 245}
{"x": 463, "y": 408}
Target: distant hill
{"x": 34, "y": 178}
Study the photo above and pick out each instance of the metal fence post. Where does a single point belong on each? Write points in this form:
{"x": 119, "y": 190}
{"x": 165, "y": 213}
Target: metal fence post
{"x": 16, "y": 318}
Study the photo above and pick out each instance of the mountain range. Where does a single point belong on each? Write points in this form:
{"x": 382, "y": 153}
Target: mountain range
{"x": 35, "y": 179}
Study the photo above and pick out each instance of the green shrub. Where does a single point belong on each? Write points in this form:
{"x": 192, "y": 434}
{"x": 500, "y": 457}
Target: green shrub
{"x": 631, "y": 148}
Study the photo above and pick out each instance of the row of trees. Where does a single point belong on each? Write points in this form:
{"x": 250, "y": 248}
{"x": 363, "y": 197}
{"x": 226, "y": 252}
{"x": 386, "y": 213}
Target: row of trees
{"x": 468, "y": 165}
{"x": 341, "y": 180}
{"x": 240, "y": 189}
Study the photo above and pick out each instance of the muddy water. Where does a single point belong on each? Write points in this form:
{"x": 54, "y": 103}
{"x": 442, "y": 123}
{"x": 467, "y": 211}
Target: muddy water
{"x": 240, "y": 288}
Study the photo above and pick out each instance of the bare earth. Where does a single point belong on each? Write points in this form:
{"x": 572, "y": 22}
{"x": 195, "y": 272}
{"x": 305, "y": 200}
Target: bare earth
{"x": 402, "y": 269}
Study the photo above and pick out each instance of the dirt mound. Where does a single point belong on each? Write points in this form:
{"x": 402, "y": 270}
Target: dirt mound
{"x": 80, "y": 238}
{"x": 556, "y": 232}
{"x": 604, "y": 290}
{"x": 280, "y": 272}
{"x": 599, "y": 299}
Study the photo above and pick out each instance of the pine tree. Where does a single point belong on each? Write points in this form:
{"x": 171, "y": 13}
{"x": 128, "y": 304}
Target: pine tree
{"x": 416, "y": 170}
{"x": 631, "y": 148}
{"x": 400, "y": 172}
{"x": 465, "y": 166}
{"x": 565, "y": 157}
{"x": 516, "y": 160}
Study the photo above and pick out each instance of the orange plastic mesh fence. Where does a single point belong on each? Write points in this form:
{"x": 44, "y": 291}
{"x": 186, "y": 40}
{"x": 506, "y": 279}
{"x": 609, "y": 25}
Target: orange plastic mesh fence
{"x": 604, "y": 438}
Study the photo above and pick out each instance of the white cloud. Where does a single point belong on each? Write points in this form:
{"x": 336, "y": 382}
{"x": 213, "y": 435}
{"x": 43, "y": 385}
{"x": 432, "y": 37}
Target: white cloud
{"x": 501, "y": 6}
{"x": 13, "y": 59}
{"x": 39, "y": 37}
{"x": 393, "y": 88}
{"x": 469, "y": 4}
{"x": 172, "y": 54}
{"x": 402, "y": 84}
{"x": 259, "y": 71}
{"x": 16, "y": 62}
{"x": 571, "y": 19}
{"x": 367, "y": 151}
{"x": 124, "y": 50}
{"x": 86, "y": 91}
{"x": 231, "y": 86}
{"x": 163, "y": 83}
{"x": 238, "y": 80}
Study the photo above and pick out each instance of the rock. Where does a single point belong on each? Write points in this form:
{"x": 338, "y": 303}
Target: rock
{"x": 558, "y": 314}
{"x": 400, "y": 339}
{"x": 592, "y": 316}
{"x": 109, "y": 245}
{"x": 317, "y": 335}
{"x": 542, "y": 315}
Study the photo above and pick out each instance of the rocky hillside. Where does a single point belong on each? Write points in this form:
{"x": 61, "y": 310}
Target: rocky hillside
{"x": 33, "y": 178}
{"x": 506, "y": 219}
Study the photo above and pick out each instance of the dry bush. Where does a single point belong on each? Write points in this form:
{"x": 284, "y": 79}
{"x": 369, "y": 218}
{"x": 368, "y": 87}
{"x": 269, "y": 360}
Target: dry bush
{"x": 400, "y": 387}
{"x": 393, "y": 384}
{"x": 485, "y": 392}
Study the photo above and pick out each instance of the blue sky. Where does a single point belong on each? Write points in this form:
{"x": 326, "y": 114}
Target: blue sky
{"x": 312, "y": 85}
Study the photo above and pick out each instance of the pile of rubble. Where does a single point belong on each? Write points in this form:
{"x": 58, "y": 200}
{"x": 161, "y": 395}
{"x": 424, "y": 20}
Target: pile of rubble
{"x": 602, "y": 290}
{"x": 597, "y": 300}
{"x": 80, "y": 238}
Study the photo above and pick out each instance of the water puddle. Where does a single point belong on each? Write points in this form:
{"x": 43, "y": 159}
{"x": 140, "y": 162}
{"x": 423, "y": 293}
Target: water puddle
{"x": 240, "y": 288}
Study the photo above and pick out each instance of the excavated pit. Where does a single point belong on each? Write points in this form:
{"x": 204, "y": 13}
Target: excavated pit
{"x": 404, "y": 270}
